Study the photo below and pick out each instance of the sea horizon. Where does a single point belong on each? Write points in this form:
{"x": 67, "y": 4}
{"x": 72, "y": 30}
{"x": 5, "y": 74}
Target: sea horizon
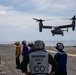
{"x": 47, "y": 42}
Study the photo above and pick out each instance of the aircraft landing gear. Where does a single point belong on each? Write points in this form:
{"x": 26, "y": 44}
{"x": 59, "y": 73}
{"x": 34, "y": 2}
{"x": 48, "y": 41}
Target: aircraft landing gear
{"x": 62, "y": 34}
{"x": 53, "y": 35}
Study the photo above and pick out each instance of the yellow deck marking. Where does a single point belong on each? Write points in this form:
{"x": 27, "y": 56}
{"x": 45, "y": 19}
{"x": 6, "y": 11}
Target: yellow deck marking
{"x": 69, "y": 54}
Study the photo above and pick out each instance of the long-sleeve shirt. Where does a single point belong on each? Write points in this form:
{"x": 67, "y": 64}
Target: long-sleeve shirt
{"x": 18, "y": 50}
{"x": 25, "y": 51}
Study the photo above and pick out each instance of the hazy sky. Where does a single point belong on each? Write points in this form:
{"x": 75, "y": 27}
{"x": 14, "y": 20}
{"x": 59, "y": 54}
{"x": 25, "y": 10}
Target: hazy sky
{"x": 16, "y": 21}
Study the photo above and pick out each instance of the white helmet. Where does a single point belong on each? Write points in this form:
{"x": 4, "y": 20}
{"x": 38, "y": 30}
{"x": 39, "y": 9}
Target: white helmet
{"x": 38, "y": 44}
{"x": 17, "y": 43}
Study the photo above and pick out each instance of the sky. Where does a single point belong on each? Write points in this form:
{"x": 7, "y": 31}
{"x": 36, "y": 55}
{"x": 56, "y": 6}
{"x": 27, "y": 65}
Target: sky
{"x": 17, "y": 24}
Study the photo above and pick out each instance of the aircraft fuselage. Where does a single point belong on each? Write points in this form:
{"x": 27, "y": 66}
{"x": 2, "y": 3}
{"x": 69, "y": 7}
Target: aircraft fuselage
{"x": 57, "y": 32}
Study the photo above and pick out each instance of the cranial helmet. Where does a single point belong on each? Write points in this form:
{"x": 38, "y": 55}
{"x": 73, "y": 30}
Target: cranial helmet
{"x": 38, "y": 44}
{"x": 17, "y": 43}
{"x": 24, "y": 42}
{"x": 31, "y": 44}
{"x": 59, "y": 46}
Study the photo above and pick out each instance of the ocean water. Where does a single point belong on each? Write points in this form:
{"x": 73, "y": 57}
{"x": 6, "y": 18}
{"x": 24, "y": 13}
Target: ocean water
{"x": 66, "y": 43}
{"x": 47, "y": 43}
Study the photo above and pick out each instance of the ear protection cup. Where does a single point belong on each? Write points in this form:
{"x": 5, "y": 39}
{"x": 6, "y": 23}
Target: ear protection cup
{"x": 56, "y": 47}
{"x": 59, "y": 46}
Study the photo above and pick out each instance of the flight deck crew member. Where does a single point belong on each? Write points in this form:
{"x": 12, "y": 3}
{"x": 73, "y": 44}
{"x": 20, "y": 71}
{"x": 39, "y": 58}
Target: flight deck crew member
{"x": 17, "y": 54}
{"x": 25, "y": 51}
{"x": 39, "y": 61}
{"x": 31, "y": 49}
{"x": 61, "y": 58}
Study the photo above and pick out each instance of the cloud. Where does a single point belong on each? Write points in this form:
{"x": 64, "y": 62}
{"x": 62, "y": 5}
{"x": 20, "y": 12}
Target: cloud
{"x": 16, "y": 17}
{"x": 53, "y": 5}
{"x": 49, "y": 7}
{"x": 42, "y": 4}
{"x": 2, "y": 12}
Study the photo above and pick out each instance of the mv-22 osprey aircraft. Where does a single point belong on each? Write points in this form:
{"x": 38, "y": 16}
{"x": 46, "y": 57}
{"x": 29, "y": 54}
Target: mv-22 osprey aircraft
{"x": 57, "y": 30}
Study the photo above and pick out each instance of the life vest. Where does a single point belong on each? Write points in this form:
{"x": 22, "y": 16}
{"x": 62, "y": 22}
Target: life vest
{"x": 62, "y": 61}
{"x": 38, "y": 62}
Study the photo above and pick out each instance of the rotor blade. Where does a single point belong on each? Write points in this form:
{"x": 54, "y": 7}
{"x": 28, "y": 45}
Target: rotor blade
{"x": 35, "y": 19}
{"x": 42, "y": 19}
{"x": 48, "y": 19}
{"x": 73, "y": 18}
{"x": 65, "y": 18}
{"x": 39, "y": 20}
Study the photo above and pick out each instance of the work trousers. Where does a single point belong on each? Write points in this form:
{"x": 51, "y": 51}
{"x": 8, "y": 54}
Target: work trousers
{"x": 17, "y": 61}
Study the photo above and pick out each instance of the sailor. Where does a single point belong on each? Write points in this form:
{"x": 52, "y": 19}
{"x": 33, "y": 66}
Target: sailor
{"x": 39, "y": 61}
{"x": 61, "y": 58}
{"x": 25, "y": 51}
{"x": 17, "y": 54}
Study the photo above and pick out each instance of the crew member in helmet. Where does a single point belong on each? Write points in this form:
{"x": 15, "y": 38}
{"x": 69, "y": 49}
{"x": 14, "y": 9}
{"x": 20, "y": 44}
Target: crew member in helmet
{"x": 31, "y": 49}
{"x": 24, "y": 49}
{"x": 39, "y": 61}
{"x": 61, "y": 58}
{"x": 17, "y": 54}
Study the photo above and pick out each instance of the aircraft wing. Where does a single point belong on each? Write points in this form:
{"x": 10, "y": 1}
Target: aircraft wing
{"x": 65, "y": 26}
{"x": 47, "y": 27}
